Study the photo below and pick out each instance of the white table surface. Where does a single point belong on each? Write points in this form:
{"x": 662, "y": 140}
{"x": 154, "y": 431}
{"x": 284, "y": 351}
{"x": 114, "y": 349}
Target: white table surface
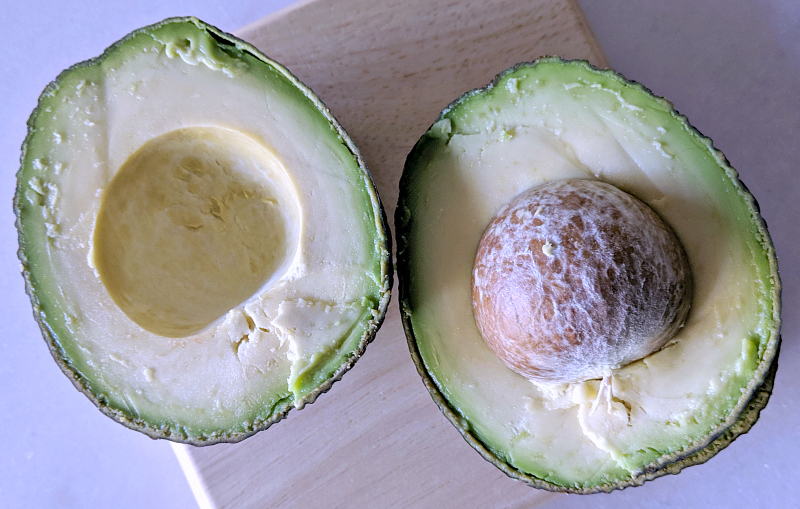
{"x": 733, "y": 67}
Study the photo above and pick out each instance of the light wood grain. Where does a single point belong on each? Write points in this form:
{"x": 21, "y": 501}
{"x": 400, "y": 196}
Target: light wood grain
{"x": 385, "y": 69}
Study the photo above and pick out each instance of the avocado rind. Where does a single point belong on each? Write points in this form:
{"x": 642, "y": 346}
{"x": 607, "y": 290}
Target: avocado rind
{"x": 755, "y": 395}
{"x": 50, "y": 316}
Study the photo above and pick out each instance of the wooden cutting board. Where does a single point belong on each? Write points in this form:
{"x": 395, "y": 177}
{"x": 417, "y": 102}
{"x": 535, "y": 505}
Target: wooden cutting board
{"x": 385, "y": 68}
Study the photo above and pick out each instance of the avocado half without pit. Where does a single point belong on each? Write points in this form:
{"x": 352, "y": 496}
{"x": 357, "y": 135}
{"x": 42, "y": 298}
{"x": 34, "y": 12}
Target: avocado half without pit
{"x": 589, "y": 292}
{"x": 201, "y": 241}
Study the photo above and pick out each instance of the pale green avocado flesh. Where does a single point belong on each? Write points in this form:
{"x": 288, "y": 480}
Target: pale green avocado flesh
{"x": 202, "y": 243}
{"x": 552, "y": 120}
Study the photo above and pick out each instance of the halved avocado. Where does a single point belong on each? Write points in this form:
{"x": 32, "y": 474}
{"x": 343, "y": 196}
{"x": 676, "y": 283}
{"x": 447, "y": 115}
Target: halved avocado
{"x": 201, "y": 241}
{"x": 551, "y": 120}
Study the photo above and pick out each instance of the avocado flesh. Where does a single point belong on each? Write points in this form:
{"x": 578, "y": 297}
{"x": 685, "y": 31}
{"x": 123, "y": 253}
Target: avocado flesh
{"x": 269, "y": 206}
{"x": 553, "y": 120}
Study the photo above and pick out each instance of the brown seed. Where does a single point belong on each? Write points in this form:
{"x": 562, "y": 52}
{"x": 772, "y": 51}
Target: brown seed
{"x": 576, "y": 278}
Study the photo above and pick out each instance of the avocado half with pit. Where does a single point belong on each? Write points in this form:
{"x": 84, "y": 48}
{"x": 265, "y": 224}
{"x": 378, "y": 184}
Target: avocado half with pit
{"x": 570, "y": 423}
{"x": 201, "y": 241}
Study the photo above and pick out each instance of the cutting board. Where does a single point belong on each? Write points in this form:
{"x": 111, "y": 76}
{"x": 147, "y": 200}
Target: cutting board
{"x": 385, "y": 68}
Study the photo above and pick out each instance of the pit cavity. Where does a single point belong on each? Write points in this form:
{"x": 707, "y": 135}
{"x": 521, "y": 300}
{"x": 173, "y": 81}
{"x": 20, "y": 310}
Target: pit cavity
{"x": 193, "y": 224}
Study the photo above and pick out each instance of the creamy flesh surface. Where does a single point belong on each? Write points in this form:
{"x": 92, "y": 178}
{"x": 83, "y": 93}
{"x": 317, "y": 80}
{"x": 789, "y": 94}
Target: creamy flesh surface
{"x": 572, "y": 123}
{"x": 211, "y": 237}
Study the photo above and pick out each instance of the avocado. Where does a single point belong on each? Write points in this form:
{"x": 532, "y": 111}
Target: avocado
{"x": 535, "y": 125}
{"x": 202, "y": 243}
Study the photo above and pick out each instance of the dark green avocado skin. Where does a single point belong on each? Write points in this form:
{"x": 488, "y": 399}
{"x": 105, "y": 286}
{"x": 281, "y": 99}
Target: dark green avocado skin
{"x": 700, "y": 452}
{"x": 51, "y": 334}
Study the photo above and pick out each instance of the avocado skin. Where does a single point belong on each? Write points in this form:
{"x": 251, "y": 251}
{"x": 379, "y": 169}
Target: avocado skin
{"x": 738, "y": 423}
{"x": 32, "y": 286}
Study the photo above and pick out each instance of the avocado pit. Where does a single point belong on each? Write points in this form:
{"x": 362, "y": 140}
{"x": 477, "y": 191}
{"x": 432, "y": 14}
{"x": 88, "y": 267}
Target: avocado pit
{"x": 576, "y": 278}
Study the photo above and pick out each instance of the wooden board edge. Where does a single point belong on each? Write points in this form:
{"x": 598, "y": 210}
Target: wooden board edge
{"x": 598, "y": 57}
{"x": 252, "y": 27}
{"x": 192, "y": 474}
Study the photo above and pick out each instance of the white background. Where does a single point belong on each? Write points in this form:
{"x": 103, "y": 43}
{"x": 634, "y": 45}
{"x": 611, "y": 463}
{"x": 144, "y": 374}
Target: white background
{"x": 732, "y": 67}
